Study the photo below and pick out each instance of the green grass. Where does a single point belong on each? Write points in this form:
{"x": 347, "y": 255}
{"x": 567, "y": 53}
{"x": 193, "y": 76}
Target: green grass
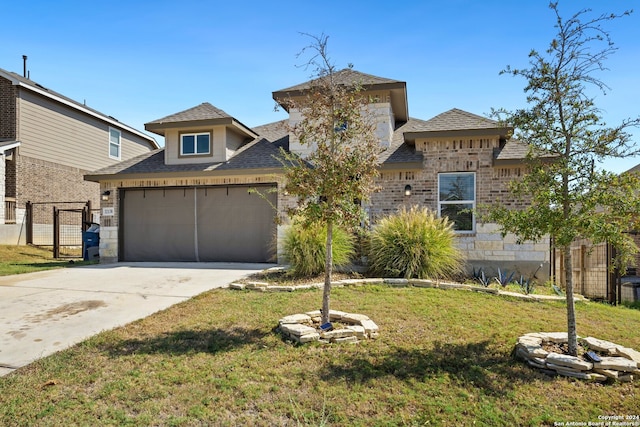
{"x": 27, "y": 259}
{"x": 443, "y": 358}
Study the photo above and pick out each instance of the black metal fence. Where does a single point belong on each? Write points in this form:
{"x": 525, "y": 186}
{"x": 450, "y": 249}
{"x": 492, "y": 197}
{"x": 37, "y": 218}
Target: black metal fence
{"x": 59, "y": 225}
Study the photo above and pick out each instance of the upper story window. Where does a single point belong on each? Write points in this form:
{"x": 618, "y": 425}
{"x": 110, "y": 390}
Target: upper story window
{"x": 195, "y": 144}
{"x": 115, "y": 137}
{"x": 457, "y": 199}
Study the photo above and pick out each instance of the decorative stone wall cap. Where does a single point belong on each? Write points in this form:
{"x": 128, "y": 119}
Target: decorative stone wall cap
{"x": 351, "y": 281}
{"x": 374, "y": 281}
{"x": 297, "y": 329}
{"x": 314, "y": 313}
{"x": 485, "y": 290}
{"x": 562, "y": 370}
{"x": 336, "y": 314}
{"x": 308, "y": 338}
{"x": 369, "y": 326}
{"x": 354, "y": 318}
{"x": 396, "y": 282}
{"x": 568, "y": 361}
{"x": 447, "y": 285}
{"x": 599, "y": 345}
{"x": 295, "y": 318}
{"x": 530, "y": 340}
{"x": 628, "y": 353}
{"x": 617, "y": 364}
{"x": 359, "y": 330}
{"x": 338, "y": 333}
{"x": 422, "y": 283}
{"x": 610, "y": 373}
{"x": 533, "y": 350}
{"x": 555, "y": 337}
{"x": 252, "y": 285}
{"x": 280, "y": 288}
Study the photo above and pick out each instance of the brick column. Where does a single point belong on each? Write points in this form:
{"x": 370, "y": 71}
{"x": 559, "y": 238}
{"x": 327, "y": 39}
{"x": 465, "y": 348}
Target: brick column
{"x": 2, "y": 186}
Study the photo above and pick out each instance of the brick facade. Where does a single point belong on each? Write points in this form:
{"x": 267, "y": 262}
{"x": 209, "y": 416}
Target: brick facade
{"x": 42, "y": 181}
{"x": 8, "y": 95}
{"x": 485, "y": 247}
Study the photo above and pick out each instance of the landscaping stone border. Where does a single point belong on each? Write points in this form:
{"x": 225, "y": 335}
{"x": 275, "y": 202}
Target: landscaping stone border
{"x": 615, "y": 361}
{"x": 418, "y": 283}
{"x": 303, "y": 328}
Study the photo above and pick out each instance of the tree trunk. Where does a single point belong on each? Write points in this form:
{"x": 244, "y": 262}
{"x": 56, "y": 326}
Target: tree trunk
{"x": 571, "y": 308}
{"x": 328, "y": 265}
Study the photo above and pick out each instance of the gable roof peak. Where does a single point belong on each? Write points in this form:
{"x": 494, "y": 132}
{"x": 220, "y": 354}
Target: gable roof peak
{"x": 457, "y": 119}
{"x": 204, "y": 111}
{"x": 346, "y": 76}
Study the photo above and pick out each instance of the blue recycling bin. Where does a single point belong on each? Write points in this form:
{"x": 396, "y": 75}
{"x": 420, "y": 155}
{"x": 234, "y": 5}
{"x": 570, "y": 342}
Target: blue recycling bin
{"x": 90, "y": 239}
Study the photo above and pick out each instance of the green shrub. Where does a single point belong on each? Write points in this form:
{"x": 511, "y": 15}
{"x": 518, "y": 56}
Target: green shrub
{"x": 414, "y": 243}
{"x": 305, "y": 248}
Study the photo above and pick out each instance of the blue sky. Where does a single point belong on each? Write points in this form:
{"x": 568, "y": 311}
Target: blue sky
{"x": 142, "y": 60}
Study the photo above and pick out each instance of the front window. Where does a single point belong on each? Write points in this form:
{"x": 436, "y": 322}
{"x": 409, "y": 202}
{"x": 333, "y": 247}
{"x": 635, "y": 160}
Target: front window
{"x": 114, "y": 143}
{"x": 457, "y": 199}
{"x": 195, "y": 144}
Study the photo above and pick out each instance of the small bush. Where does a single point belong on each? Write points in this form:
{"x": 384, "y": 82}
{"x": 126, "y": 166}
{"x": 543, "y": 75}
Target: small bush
{"x": 414, "y": 243}
{"x": 304, "y": 248}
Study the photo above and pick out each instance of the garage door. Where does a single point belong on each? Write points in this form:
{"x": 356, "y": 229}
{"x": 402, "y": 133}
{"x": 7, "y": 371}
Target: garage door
{"x": 198, "y": 224}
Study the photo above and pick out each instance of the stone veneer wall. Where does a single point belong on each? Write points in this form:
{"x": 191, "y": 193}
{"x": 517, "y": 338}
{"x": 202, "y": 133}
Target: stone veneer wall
{"x": 109, "y": 224}
{"x": 485, "y": 248}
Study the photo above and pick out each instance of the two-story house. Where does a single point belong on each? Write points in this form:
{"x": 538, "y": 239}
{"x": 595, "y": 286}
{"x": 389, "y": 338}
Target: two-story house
{"x": 48, "y": 142}
{"x": 190, "y": 201}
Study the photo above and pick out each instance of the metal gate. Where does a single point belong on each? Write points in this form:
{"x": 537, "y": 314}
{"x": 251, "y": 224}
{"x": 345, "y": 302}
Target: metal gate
{"x": 59, "y": 225}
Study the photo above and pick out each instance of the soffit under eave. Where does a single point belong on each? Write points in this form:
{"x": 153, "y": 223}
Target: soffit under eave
{"x": 398, "y": 92}
{"x": 177, "y": 175}
{"x": 229, "y": 122}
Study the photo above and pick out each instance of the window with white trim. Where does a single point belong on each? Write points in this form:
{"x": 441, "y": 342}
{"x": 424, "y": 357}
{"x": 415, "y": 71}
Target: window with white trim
{"x": 457, "y": 199}
{"x": 195, "y": 144}
{"x": 115, "y": 137}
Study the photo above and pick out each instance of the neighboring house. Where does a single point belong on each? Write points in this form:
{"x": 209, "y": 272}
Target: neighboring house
{"x": 47, "y": 143}
{"x": 190, "y": 200}
{"x": 594, "y": 273}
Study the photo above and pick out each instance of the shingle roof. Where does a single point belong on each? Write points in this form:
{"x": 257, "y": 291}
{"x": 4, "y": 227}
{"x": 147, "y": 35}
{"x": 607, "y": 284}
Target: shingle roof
{"x": 456, "y": 119}
{"x": 346, "y": 77}
{"x": 204, "y": 111}
{"x": 513, "y": 149}
{"x": 36, "y": 87}
{"x": 261, "y": 153}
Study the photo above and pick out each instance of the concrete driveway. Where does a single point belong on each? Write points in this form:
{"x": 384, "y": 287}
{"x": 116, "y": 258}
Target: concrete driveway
{"x": 45, "y": 312}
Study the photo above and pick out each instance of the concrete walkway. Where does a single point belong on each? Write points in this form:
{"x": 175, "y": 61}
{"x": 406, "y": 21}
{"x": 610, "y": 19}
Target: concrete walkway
{"x": 45, "y": 312}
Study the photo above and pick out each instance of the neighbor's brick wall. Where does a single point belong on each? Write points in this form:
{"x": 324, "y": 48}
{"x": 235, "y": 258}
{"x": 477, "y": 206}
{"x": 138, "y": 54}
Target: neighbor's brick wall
{"x": 486, "y": 247}
{"x": 10, "y": 175}
{"x": 8, "y": 95}
{"x": 42, "y": 181}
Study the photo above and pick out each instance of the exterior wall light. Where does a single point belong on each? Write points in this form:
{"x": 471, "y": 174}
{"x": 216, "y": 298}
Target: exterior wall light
{"x": 105, "y": 195}
{"x": 407, "y": 190}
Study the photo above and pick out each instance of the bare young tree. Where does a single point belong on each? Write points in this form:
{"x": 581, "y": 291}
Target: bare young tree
{"x": 568, "y": 195}
{"x": 338, "y": 174}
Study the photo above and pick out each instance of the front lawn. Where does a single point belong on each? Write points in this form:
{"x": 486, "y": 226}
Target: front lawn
{"x": 443, "y": 358}
{"x": 27, "y": 259}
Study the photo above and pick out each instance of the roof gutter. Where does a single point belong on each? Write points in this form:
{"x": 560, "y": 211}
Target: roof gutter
{"x": 79, "y": 107}
{"x": 4, "y": 147}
